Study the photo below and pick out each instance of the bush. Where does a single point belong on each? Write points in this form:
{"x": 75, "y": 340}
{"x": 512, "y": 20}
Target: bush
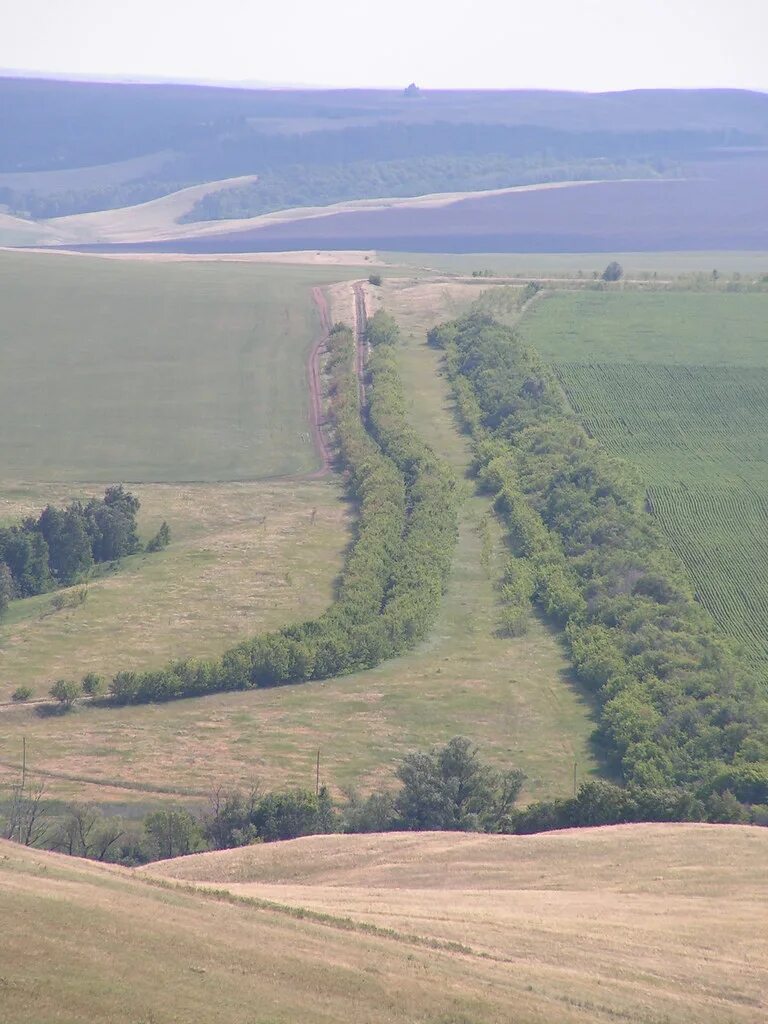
{"x": 93, "y": 685}
{"x": 65, "y": 692}
{"x": 613, "y": 272}
{"x": 21, "y": 694}
{"x": 375, "y": 280}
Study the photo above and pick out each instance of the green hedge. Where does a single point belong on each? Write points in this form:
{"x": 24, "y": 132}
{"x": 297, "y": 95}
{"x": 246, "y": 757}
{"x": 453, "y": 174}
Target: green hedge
{"x": 392, "y": 581}
{"x": 678, "y": 707}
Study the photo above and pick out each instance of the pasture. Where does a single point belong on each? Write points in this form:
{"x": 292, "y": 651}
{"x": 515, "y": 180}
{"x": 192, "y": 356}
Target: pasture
{"x": 154, "y": 372}
{"x": 677, "y": 384}
{"x": 637, "y": 923}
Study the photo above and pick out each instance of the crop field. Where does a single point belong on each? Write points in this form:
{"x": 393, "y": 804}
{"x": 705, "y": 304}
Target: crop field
{"x": 179, "y": 371}
{"x": 677, "y": 384}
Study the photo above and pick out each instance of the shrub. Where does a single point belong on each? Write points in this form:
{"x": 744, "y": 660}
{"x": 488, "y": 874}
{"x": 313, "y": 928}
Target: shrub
{"x": 65, "y": 692}
{"x": 21, "y": 694}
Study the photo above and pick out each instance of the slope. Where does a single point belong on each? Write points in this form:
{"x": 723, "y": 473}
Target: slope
{"x": 636, "y": 922}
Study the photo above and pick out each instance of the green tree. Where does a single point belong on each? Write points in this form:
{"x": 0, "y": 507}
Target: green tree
{"x": 93, "y": 685}
{"x": 172, "y": 833}
{"x": 613, "y": 272}
{"x": 6, "y": 587}
{"x": 450, "y": 788}
{"x": 65, "y": 692}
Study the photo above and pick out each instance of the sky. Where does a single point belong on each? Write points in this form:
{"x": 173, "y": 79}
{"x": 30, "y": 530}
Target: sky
{"x": 592, "y": 45}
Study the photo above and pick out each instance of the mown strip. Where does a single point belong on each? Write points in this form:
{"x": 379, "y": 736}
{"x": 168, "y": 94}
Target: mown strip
{"x": 678, "y": 708}
{"x": 393, "y": 578}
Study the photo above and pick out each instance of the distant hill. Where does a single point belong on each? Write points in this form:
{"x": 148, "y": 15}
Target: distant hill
{"x": 71, "y": 148}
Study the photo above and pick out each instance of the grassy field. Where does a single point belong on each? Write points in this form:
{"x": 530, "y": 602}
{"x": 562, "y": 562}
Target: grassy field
{"x": 568, "y": 264}
{"x": 677, "y": 384}
{"x": 643, "y": 923}
{"x": 638, "y": 922}
{"x": 244, "y": 558}
{"x": 514, "y": 697}
{"x": 187, "y": 371}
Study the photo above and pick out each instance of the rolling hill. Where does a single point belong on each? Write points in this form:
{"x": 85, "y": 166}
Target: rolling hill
{"x": 666, "y": 169}
{"x": 639, "y": 923}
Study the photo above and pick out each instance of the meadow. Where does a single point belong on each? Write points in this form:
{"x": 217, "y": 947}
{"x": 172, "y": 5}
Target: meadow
{"x": 676, "y": 383}
{"x": 244, "y": 557}
{"x": 179, "y": 372}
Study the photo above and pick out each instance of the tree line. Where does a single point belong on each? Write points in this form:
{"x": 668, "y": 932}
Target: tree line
{"x": 448, "y": 788}
{"x": 392, "y": 581}
{"x": 678, "y": 708}
{"x": 58, "y": 548}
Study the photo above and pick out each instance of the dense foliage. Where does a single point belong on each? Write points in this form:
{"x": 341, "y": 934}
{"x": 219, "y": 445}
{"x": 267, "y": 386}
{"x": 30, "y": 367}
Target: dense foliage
{"x": 61, "y": 544}
{"x": 448, "y": 788}
{"x": 392, "y": 581}
{"x": 678, "y": 709}
{"x": 318, "y": 185}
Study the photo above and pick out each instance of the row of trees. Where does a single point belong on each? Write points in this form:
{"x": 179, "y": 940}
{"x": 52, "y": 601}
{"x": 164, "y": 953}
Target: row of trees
{"x": 448, "y": 788}
{"x": 678, "y": 707}
{"x": 391, "y": 585}
{"x": 62, "y": 544}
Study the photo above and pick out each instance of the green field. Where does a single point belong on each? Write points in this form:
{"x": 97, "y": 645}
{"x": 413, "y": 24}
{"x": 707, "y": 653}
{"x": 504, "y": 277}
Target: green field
{"x": 180, "y": 371}
{"x": 677, "y": 384}
{"x": 567, "y": 264}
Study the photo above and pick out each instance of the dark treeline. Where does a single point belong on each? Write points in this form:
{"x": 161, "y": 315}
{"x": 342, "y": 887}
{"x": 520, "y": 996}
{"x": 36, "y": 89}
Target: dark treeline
{"x": 392, "y": 581}
{"x": 62, "y": 544}
{"x": 679, "y": 710}
{"x": 449, "y": 788}
{"x": 318, "y": 185}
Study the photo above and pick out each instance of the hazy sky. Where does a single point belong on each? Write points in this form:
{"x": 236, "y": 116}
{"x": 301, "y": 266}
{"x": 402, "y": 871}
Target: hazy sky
{"x": 556, "y": 44}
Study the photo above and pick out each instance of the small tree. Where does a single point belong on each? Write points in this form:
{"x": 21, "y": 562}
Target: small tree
{"x": 613, "y": 272}
{"x": 161, "y": 539}
{"x": 66, "y": 692}
{"x": 21, "y": 694}
{"x": 93, "y": 685}
{"x": 172, "y": 833}
{"x": 375, "y": 279}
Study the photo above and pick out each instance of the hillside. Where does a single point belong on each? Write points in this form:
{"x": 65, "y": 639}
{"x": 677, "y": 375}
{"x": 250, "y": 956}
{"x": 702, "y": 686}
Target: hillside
{"x": 638, "y": 923}
{"x": 223, "y": 157}
{"x": 641, "y": 922}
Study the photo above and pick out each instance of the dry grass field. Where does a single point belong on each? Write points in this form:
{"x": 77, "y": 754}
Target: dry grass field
{"x": 648, "y": 924}
{"x": 644, "y": 923}
{"x": 243, "y": 558}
